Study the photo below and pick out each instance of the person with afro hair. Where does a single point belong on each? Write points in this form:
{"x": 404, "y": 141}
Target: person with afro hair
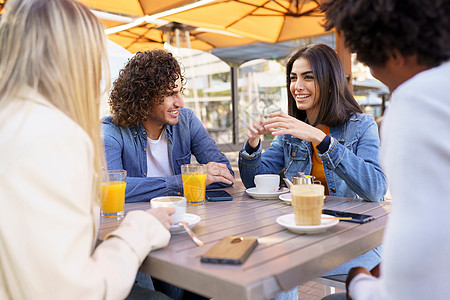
{"x": 406, "y": 44}
{"x": 150, "y": 134}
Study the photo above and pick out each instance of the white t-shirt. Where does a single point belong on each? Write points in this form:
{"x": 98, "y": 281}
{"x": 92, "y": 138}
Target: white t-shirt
{"x": 415, "y": 154}
{"x": 158, "y": 164}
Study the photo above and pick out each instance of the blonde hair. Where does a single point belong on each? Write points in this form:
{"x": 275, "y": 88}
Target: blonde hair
{"x": 56, "y": 47}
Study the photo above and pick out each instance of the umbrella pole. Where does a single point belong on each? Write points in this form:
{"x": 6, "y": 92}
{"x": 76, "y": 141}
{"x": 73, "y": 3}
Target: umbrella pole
{"x": 235, "y": 101}
{"x": 177, "y": 38}
{"x": 194, "y": 84}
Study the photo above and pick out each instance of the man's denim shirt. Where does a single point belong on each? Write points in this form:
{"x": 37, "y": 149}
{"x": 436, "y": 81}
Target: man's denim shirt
{"x": 350, "y": 164}
{"x": 125, "y": 148}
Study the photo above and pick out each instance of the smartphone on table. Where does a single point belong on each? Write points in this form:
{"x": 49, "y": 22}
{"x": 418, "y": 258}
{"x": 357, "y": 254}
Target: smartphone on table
{"x": 220, "y": 195}
{"x": 355, "y": 218}
{"x": 230, "y": 250}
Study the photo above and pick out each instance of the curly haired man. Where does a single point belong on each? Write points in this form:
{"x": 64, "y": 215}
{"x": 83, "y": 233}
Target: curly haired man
{"x": 406, "y": 44}
{"x": 151, "y": 135}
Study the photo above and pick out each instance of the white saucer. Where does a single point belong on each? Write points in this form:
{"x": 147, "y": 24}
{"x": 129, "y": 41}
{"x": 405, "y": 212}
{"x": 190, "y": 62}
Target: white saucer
{"x": 265, "y": 196}
{"x": 192, "y": 222}
{"x": 288, "y": 197}
{"x": 288, "y": 221}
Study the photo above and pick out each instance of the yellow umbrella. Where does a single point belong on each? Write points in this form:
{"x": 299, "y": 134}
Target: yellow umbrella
{"x": 269, "y": 21}
{"x": 134, "y": 7}
{"x": 149, "y": 36}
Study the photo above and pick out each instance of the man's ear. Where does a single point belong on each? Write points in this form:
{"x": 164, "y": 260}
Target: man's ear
{"x": 398, "y": 60}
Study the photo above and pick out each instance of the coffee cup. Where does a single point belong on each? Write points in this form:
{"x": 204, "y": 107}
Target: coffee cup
{"x": 307, "y": 201}
{"x": 179, "y": 203}
{"x": 267, "y": 183}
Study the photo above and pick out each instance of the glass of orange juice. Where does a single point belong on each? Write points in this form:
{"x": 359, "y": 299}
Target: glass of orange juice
{"x": 113, "y": 193}
{"x": 194, "y": 183}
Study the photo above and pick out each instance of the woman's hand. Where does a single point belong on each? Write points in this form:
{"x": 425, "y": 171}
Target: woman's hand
{"x": 280, "y": 123}
{"x": 218, "y": 172}
{"x": 163, "y": 215}
{"x": 254, "y": 131}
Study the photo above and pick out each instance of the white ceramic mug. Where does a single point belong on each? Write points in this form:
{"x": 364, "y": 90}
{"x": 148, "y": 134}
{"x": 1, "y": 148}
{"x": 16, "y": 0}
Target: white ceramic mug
{"x": 267, "y": 183}
{"x": 172, "y": 201}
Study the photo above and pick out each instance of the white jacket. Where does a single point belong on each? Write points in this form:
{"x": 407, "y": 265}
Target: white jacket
{"x": 48, "y": 217}
{"x": 416, "y": 156}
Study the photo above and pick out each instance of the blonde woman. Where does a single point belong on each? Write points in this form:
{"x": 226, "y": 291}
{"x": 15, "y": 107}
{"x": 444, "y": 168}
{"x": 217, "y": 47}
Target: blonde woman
{"x": 52, "y": 54}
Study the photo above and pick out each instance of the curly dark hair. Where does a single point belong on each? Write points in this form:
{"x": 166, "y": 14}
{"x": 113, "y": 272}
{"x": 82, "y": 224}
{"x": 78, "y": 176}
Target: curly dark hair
{"x": 374, "y": 28}
{"x": 336, "y": 103}
{"x": 143, "y": 83}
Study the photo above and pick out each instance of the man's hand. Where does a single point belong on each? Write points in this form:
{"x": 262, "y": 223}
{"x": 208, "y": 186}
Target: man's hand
{"x": 163, "y": 215}
{"x": 376, "y": 271}
{"x": 352, "y": 274}
{"x": 218, "y": 172}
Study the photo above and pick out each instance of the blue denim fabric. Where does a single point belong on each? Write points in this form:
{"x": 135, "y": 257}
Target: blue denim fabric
{"x": 291, "y": 294}
{"x": 368, "y": 260}
{"x": 125, "y": 148}
{"x": 351, "y": 163}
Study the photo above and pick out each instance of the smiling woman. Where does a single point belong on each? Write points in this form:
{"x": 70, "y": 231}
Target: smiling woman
{"x": 303, "y": 87}
{"x": 324, "y": 135}
{"x": 323, "y": 123}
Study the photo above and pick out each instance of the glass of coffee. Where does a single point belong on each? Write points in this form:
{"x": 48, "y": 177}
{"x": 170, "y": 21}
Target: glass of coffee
{"x": 307, "y": 201}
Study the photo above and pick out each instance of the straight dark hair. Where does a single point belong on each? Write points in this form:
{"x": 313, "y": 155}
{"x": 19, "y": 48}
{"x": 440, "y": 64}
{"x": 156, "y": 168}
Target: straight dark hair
{"x": 336, "y": 103}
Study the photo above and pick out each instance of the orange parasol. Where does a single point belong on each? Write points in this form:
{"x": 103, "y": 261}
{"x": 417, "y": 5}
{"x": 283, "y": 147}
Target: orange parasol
{"x": 265, "y": 20}
{"x": 149, "y": 36}
{"x": 134, "y": 7}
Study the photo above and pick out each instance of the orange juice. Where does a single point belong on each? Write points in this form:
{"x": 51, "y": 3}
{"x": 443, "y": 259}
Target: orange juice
{"x": 194, "y": 185}
{"x": 113, "y": 197}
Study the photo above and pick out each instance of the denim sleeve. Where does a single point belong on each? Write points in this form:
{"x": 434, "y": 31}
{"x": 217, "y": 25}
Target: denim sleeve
{"x": 139, "y": 188}
{"x": 360, "y": 170}
{"x": 143, "y": 189}
{"x": 269, "y": 162}
{"x": 113, "y": 143}
{"x": 205, "y": 150}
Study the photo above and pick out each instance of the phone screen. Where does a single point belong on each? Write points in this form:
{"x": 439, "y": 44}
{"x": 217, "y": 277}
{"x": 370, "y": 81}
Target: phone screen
{"x": 220, "y": 195}
{"x": 355, "y": 218}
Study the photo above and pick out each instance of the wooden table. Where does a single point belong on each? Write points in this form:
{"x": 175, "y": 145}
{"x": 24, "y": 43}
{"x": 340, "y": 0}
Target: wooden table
{"x": 282, "y": 259}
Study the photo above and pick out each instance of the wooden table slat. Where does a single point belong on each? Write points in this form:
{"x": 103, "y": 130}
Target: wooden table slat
{"x": 281, "y": 260}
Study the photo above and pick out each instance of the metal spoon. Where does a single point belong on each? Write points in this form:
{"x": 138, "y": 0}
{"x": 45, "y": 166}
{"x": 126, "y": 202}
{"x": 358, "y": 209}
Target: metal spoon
{"x": 193, "y": 236}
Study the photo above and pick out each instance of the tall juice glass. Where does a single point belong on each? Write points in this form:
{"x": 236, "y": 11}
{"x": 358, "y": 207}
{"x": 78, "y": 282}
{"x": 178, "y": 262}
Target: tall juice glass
{"x": 194, "y": 183}
{"x": 113, "y": 193}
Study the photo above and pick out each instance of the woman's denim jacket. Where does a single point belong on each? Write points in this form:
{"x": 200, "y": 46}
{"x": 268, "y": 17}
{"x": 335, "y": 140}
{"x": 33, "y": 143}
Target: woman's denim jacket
{"x": 350, "y": 164}
{"x": 125, "y": 148}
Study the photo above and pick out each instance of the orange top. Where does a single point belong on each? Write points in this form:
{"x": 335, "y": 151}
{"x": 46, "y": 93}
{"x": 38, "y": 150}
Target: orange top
{"x": 317, "y": 167}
